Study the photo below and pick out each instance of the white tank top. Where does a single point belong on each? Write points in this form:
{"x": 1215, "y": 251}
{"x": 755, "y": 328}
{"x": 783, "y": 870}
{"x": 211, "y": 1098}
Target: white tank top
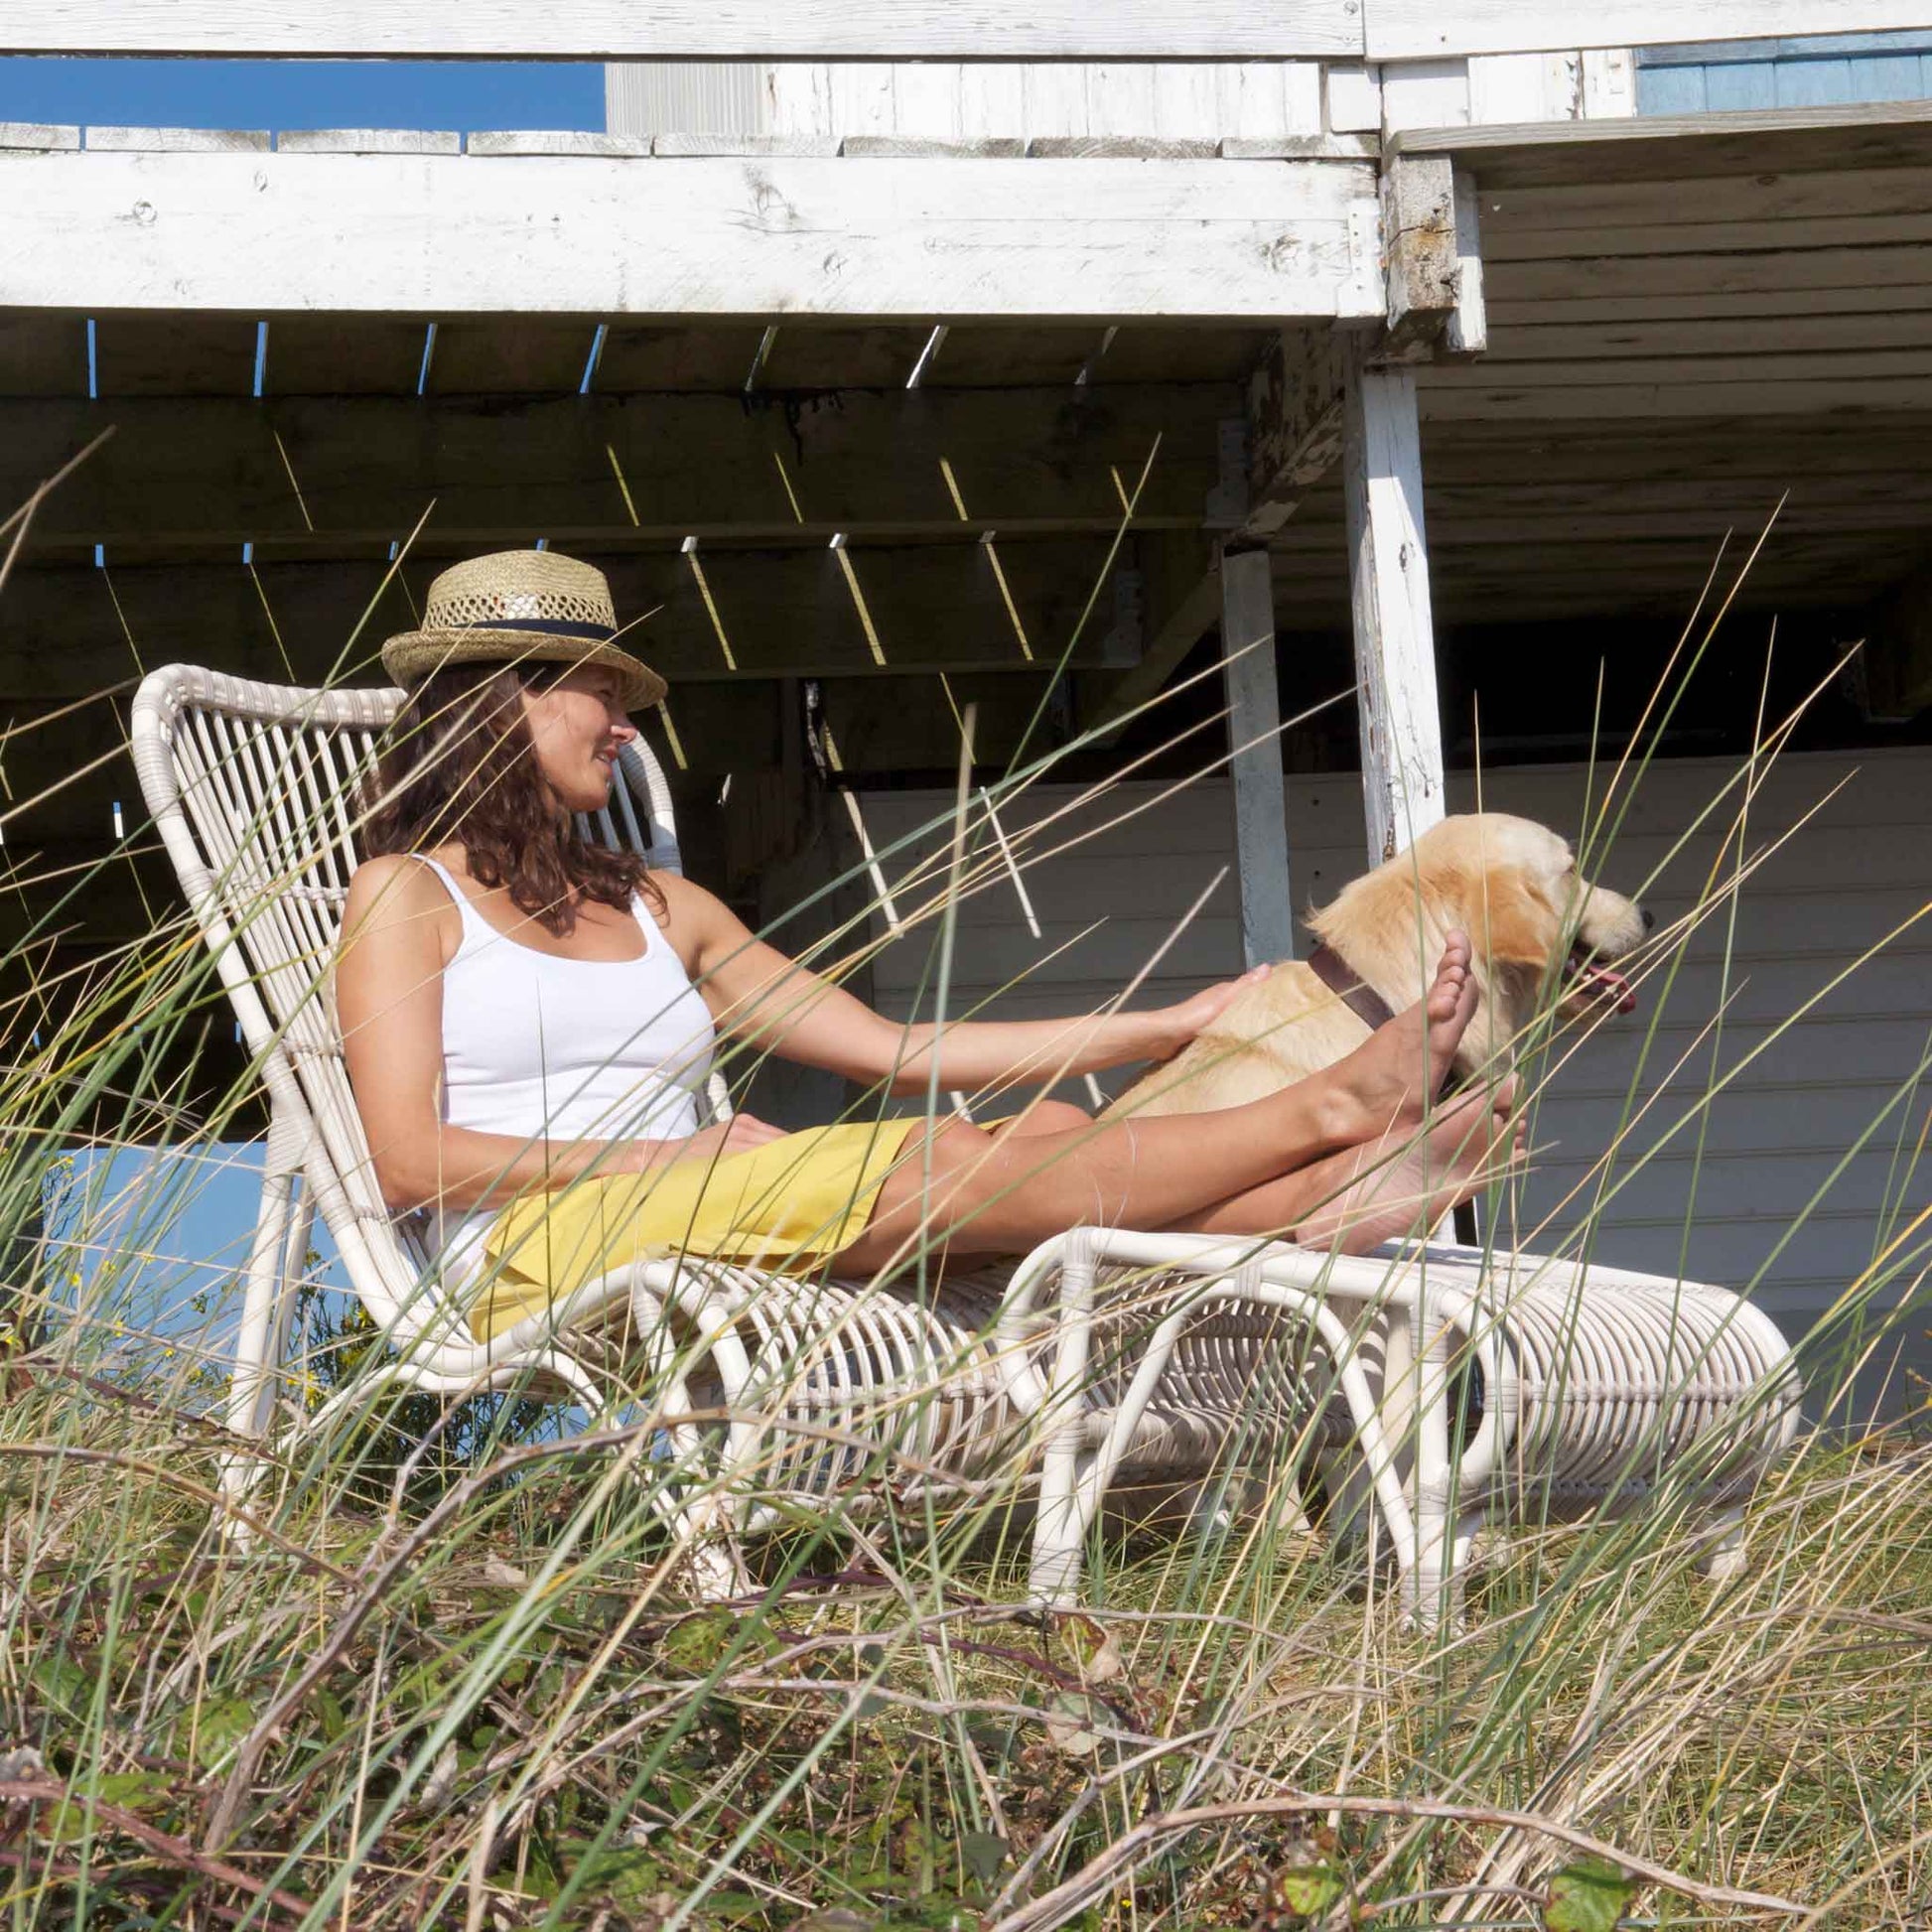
{"x": 574, "y": 1049}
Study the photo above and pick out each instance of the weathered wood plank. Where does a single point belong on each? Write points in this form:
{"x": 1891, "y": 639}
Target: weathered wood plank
{"x": 571, "y": 140}
{"x": 1639, "y": 276}
{"x": 1711, "y": 337}
{"x": 1714, "y": 305}
{"x": 1294, "y": 424}
{"x": 1447, "y": 401}
{"x": 1764, "y": 197}
{"x": 1420, "y": 29}
{"x": 1666, "y": 147}
{"x": 1421, "y": 252}
{"x": 365, "y": 468}
{"x": 1609, "y": 84}
{"x": 38, "y": 134}
{"x": 452, "y": 236}
{"x": 178, "y": 140}
{"x": 1526, "y": 86}
{"x": 678, "y": 30}
{"x": 1467, "y": 333}
{"x": 1255, "y": 757}
{"x": 1354, "y": 100}
{"x": 1609, "y": 448}
{"x": 1795, "y": 233}
{"x": 1424, "y": 94}
{"x": 367, "y": 140}
{"x": 1395, "y": 640}
{"x": 1768, "y": 369}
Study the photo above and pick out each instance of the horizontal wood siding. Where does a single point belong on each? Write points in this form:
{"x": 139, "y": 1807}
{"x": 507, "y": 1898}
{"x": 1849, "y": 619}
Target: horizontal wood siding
{"x": 1722, "y": 1186}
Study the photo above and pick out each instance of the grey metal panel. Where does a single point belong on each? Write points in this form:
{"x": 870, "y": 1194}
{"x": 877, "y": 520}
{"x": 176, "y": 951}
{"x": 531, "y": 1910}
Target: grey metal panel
{"x": 683, "y": 97}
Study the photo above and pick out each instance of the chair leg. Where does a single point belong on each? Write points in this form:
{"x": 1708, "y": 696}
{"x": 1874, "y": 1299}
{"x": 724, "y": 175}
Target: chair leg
{"x": 1059, "y": 1528}
{"x": 1347, "y": 1485}
{"x": 1432, "y": 1587}
{"x": 264, "y": 1321}
{"x": 705, "y": 1528}
{"x": 1723, "y": 1556}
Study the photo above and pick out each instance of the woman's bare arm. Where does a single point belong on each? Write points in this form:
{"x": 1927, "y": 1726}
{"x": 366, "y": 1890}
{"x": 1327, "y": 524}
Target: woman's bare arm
{"x": 758, "y": 996}
{"x": 398, "y": 930}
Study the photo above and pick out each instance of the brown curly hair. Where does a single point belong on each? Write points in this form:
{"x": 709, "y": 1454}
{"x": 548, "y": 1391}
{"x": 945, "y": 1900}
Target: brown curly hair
{"x": 459, "y": 763}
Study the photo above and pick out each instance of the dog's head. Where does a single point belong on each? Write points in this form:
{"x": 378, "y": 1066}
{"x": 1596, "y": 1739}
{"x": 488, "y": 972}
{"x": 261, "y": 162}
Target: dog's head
{"x": 1511, "y": 884}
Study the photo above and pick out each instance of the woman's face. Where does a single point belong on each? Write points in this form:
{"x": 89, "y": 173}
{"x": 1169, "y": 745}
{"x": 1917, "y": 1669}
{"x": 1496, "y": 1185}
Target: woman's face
{"x": 577, "y": 727}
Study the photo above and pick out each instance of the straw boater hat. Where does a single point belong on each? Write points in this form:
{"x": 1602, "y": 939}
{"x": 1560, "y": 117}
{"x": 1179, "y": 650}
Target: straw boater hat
{"x": 514, "y": 605}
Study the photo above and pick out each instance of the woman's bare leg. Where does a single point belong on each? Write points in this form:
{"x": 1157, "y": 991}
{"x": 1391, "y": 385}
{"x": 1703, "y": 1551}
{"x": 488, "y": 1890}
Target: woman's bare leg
{"x": 987, "y": 1194}
{"x": 1384, "y": 1190}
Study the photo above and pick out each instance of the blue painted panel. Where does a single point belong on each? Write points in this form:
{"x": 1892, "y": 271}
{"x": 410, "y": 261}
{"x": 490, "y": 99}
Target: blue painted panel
{"x": 1813, "y": 83}
{"x": 1894, "y": 77}
{"x": 1727, "y": 88}
{"x": 1812, "y": 70}
{"x": 1670, "y": 91}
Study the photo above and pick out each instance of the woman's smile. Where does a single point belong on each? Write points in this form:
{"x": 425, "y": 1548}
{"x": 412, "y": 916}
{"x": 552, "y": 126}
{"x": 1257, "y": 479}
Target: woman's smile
{"x": 579, "y": 728}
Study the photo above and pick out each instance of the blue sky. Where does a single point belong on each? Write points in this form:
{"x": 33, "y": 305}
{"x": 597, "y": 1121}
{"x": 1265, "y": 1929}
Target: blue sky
{"x": 205, "y": 1210}
{"x": 460, "y": 94}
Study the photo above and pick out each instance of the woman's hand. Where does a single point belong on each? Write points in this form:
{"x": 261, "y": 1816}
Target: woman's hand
{"x": 738, "y": 1135}
{"x": 1182, "y": 1023}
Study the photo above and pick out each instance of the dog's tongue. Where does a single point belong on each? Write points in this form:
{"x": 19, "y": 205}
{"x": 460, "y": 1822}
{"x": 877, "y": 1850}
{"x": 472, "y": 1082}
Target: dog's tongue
{"x": 1612, "y": 984}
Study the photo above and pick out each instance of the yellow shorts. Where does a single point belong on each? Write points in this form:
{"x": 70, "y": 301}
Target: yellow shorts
{"x": 785, "y": 1206}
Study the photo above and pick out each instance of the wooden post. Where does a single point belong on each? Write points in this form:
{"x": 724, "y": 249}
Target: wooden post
{"x": 1254, "y": 738}
{"x": 1395, "y": 644}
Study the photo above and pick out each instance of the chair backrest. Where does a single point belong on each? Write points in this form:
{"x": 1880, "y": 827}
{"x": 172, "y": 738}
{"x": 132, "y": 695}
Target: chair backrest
{"x": 253, "y": 789}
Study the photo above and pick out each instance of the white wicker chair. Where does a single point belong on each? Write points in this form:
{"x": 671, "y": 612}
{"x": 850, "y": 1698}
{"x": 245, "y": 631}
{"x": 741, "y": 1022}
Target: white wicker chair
{"x": 1102, "y": 1359}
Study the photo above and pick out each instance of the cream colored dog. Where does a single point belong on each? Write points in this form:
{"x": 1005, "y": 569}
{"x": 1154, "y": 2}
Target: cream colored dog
{"x": 1511, "y": 884}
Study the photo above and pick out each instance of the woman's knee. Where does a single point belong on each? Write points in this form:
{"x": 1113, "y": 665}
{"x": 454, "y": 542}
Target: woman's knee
{"x": 1049, "y": 1117}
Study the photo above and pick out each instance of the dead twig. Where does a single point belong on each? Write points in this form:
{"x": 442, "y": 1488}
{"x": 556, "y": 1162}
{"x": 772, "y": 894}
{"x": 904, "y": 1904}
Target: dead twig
{"x": 1051, "y": 1907}
{"x": 164, "y": 1845}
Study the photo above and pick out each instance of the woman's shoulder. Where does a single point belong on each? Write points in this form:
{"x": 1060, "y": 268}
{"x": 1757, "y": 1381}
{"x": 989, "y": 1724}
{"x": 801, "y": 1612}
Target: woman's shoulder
{"x": 391, "y": 887}
{"x": 690, "y": 913}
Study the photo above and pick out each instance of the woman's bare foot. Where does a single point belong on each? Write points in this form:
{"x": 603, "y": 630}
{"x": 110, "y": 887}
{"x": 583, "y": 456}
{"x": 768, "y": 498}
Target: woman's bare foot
{"x": 1394, "y": 1074}
{"x": 1408, "y": 1178}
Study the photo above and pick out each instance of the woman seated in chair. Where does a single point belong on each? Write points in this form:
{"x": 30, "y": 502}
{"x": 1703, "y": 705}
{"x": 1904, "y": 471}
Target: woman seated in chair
{"x": 530, "y": 1018}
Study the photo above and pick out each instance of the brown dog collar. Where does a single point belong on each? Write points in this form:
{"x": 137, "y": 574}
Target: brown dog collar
{"x": 1367, "y": 1004}
{"x": 1361, "y": 1000}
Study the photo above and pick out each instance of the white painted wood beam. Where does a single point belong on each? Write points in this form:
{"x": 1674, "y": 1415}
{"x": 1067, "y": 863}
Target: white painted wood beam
{"x": 1395, "y": 644}
{"x": 779, "y": 238}
{"x": 1421, "y": 29}
{"x": 1255, "y": 759}
{"x": 673, "y": 30}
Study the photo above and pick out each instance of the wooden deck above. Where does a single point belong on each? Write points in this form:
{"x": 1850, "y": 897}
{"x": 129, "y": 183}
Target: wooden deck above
{"x": 1688, "y": 328}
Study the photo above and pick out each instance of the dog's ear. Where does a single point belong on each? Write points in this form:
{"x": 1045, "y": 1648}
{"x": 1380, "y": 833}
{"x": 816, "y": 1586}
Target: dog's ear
{"x": 1511, "y": 921}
